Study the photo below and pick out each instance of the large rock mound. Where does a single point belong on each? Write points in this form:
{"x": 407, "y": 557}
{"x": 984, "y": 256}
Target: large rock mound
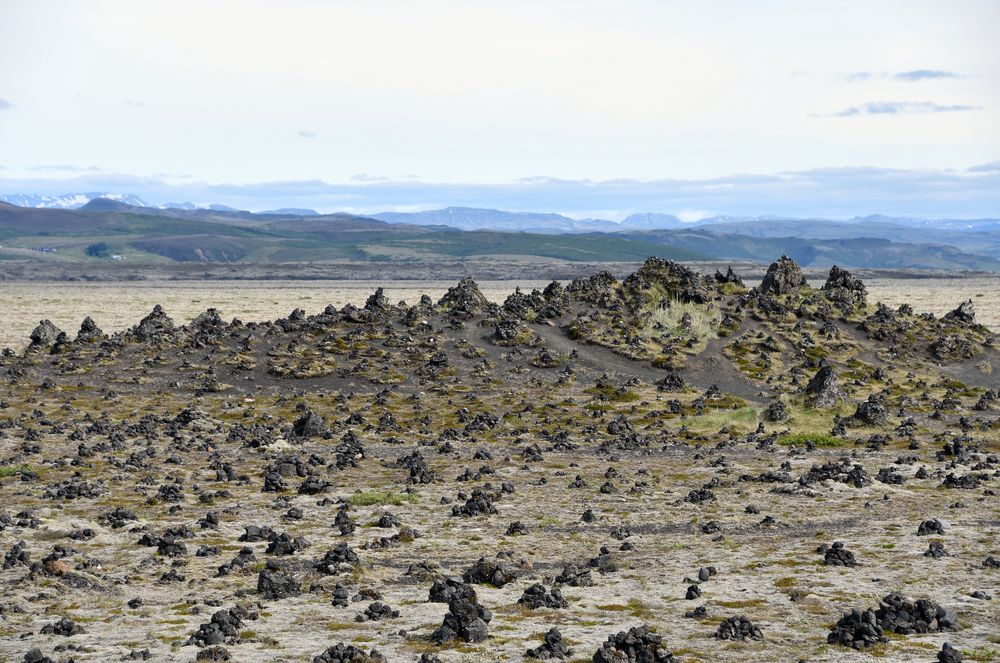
{"x": 465, "y": 299}
{"x": 783, "y": 275}
{"x": 845, "y": 289}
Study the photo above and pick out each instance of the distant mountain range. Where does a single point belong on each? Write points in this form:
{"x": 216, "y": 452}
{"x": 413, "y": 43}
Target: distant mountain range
{"x": 64, "y": 227}
{"x": 68, "y": 200}
{"x": 78, "y": 200}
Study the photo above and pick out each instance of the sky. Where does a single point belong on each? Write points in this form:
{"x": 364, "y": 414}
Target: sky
{"x": 586, "y": 108}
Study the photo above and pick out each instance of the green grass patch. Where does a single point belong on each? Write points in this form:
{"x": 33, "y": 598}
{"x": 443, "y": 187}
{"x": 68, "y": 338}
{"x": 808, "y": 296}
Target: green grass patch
{"x": 802, "y": 439}
{"x": 13, "y": 470}
{"x": 381, "y": 498}
{"x": 741, "y": 419}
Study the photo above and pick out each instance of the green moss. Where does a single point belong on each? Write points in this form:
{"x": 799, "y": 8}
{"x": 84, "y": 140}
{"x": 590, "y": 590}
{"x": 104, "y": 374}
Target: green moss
{"x": 14, "y": 470}
{"x": 381, "y": 498}
{"x": 806, "y": 438}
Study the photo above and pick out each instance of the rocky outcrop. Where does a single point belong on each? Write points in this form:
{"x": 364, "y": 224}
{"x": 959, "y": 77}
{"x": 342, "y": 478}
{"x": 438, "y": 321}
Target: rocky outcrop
{"x": 43, "y": 336}
{"x": 965, "y": 313}
{"x": 783, "y": 276}
{"x": 823, "y": 390}
{"x": 464, "y": 300}
{"x": 729, "y": 277}
{"x": 845, "y": 289}
{"x": 89, "y": 332}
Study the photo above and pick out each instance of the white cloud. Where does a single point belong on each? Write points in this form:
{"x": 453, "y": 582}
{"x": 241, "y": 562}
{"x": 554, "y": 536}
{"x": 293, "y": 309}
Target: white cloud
{"x": 493, "y": 90}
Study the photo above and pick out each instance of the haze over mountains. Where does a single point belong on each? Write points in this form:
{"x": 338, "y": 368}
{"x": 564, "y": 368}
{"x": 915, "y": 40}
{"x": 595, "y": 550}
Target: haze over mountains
{"x": 125, "y": 226}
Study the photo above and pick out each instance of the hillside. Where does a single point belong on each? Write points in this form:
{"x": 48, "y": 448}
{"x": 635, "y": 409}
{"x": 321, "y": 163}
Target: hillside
{"x": 104, "y": 228}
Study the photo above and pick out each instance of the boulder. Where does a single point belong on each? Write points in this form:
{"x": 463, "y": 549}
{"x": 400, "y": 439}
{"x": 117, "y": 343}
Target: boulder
{"x": 43, "y": 336}
{"x": 965, "y": 313}
{"x": 823, "y": 390}
{"x": 309, "y": 424}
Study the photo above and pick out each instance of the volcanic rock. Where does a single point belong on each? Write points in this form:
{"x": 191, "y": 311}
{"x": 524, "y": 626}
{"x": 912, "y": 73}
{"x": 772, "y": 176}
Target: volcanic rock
{"x": 783, "y": 275}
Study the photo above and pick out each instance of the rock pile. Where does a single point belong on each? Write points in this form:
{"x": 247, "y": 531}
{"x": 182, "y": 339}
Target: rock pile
{"x": 845, "y": 289}
{"x": 224, "y": 627}
{"x": 536, "y": 596}
{"x": 466, "y": 621}
{"x": 464, "y": 300}
{"x": 858, "y": 630}
{"x": 274, "y": 582}
{"x": 494, "y": 572}
{"x": 341, "y": 653}
{"x": 738, "y": 627}
{"x": 783, "y": 275}
{"x": 637, "y": 645}
{"x": 837, "y": 555}
{"x": 551, "y": 649}
{"x": 905, "y": 615}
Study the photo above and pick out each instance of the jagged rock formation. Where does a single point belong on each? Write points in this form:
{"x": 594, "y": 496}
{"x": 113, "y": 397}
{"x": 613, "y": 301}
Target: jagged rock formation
{"x": 783, "y": 276}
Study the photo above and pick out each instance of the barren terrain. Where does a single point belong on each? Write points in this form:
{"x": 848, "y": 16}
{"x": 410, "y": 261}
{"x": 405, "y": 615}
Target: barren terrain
{"x": 668, "y": 449}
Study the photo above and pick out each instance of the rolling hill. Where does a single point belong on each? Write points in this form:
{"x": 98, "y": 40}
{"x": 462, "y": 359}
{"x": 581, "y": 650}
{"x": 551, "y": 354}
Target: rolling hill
{"x": 107, "y": 229}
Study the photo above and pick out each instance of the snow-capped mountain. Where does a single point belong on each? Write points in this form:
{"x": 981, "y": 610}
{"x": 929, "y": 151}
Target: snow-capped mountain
{"x": 68, "y": 200}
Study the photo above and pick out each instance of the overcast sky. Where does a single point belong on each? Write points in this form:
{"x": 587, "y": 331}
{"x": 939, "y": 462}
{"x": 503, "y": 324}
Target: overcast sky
{"x": 182, "y": 99}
